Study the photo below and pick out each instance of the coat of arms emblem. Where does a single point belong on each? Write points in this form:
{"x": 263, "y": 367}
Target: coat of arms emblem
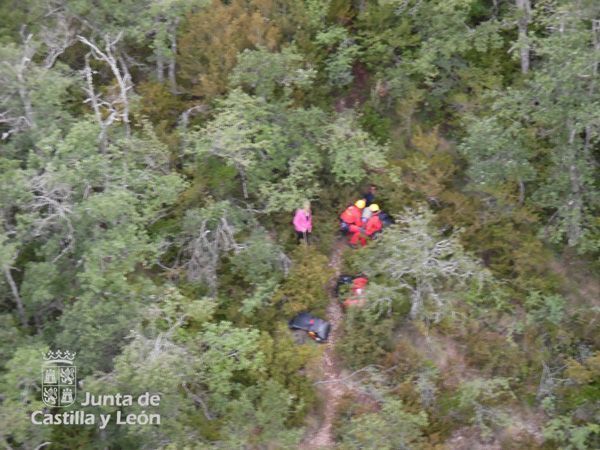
{"x": 59, "y": 379}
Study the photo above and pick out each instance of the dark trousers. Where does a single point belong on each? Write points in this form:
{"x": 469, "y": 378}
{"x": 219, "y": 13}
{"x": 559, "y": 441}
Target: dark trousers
{"x": 301, "y": 236}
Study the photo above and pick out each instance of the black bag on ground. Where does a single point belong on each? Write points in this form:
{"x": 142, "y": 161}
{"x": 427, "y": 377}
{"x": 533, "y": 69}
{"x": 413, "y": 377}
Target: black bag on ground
{"x": 341, "y": 281}
{"x": 386, "y": 219}
{"x": 344, "y": 227}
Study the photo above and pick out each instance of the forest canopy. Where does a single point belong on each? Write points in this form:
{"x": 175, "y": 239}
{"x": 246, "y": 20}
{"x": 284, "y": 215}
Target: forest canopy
{"x": 153, "y": 155}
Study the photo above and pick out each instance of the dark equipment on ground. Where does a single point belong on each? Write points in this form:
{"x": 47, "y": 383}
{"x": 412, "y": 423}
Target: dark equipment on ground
{"x": 343, "y": 280}
{"x": 386, "y": 219}
{"x": 318, "y": 329}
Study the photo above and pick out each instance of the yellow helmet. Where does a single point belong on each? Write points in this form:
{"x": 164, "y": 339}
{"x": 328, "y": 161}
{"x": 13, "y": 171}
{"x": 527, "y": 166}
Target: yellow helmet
{"x": 360, "y": 203}
{"x": 374, "y": 207}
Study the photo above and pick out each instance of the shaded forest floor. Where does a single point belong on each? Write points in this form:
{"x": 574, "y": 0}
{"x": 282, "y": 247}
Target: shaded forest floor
{"x": 579, "y": 282}
{"x": 525, "y": 429}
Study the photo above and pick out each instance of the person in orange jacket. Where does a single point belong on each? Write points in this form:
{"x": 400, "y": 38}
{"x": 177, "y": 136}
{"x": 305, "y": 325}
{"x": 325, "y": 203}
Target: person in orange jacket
{"x": 372, "y": 226}
{"x": 351, "y": 218}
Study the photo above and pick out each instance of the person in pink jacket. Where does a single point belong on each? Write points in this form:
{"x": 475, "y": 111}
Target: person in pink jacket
{"x": 303, "y": 223}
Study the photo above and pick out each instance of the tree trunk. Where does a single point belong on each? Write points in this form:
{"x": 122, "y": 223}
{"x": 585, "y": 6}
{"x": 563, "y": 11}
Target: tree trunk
{"x": 125, "y": 83}
{"x": 575, "y": 203}
{"x": 20, "y": 70}
{"x": 111, "y": 57}
{"x": 596, "y": 40}
{"x": 521, "y": 192}
{"x": 17, "y": 297}
{"x": 160, "y": 67}
{"x": 172, "y": 60}
{"x": 24, "y": 95}
{"x": 417, "y": 303}
{"x": 93, "y": 100}
{"x": 524, "y": 7}
{"x": 244, "y": 183}
{"x": 495, "y": 8}
{"x": 586, "y": 144}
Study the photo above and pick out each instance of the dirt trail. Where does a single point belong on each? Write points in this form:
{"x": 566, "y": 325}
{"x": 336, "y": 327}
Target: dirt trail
{"x": 330, "y": 392}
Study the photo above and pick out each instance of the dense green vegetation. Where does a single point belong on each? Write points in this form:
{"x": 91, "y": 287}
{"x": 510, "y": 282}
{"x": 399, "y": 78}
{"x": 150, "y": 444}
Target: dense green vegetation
{"x": 153, "y": 153}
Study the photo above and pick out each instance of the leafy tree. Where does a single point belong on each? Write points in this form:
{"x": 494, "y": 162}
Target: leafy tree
{"x": 207, "y": 235}
{"x": 165, "y": 22}
{"x": 426, "y": 53}
{"x": 207, "y": 376}
{"x": 270, "y": 146}
{"x": 545, "y": 308}
{"x": 20, "y": 382}
{"x": 33, "y": 95}
{"x": 286, "y": 364}
{"x": 260, "y": 259}
{"x": 498, "y": 153}
{"x": 263, "y": 265}
{"x": 342, "y": 50}
{"x": 228, "y": 351}
{"x": 391, "y": 428}
{"x": 85, "y": 215}
{"x": 300, "y": 184}
{"x": 266, "y": 73}
{"x": 417, "y": 259}
{"x": 10, "y": 337}
{"x": 237, "y": 134}
{"x": 208, "y": 50}
{"x": 575, "y": 428}
{"x": 8, "y": 255}
{"x": 152, "y": 154}
{"x": 481, "y": 400}
{"x": 366, "y": 339}
{"x": 571, "y": 436}
{"x": 351, "y": 150}
{"x": 555, "y": 106}
{"x": 302, "y": 290}
{"x": 264, "y": 408}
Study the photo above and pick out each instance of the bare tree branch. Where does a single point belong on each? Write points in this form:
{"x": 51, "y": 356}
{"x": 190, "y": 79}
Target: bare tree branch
{"x": 18, "y": 121}
{"x": 203, "y": 249}
{"x": 15, "y": 292}
{"x": 58, "y": 38}
{"x": 95, "y": 102}
{"x": 52, "y": 200}
{"x": 199, "y": 401}
{"x": 118, "y": 67}
{"x": 172, "y": 60}
{"x": 524, "y": 8}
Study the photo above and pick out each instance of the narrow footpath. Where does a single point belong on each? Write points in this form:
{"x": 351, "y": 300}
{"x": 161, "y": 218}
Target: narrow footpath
{"x": 330, "y": 391}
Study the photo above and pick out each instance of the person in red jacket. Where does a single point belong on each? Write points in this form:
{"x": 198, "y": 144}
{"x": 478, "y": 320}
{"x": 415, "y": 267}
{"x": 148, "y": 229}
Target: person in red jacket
{"x": 357, "y": 296}
{"x": 351, "y": 218}
{"x": 372, "y": 226}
